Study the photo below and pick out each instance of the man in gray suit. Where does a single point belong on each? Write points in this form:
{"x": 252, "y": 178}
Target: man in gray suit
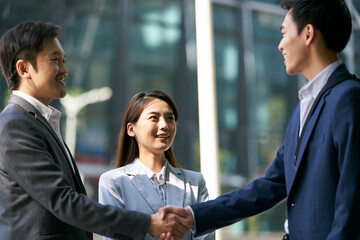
{"x": 41, "y": 193}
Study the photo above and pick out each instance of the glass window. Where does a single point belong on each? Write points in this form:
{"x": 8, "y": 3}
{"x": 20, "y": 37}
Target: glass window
{"x": 155, "y": 37}
{"x": 227, "y": 74}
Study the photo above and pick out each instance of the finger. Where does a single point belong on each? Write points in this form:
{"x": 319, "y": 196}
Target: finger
{"x": 177, "y": 225}
{"x": 162, "y": 237}
{"x": 162, "y": 212}
{"x": 166, "y": 236}
{"x": 169, "y": 236}
{"x": 186, "y": 219}
{"x": 172, "y": 209}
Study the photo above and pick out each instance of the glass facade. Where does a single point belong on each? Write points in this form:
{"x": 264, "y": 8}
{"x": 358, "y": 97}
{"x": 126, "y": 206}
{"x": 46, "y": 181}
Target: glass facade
{"x": 135, "y": 45}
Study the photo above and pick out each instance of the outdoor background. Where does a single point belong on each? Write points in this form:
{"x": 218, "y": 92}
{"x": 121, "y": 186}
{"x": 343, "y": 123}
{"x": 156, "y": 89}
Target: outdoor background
{"x": 136, "y": 45}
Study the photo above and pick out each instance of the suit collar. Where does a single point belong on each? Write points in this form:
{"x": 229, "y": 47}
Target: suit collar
{"x": 175, "y": 186}
{"x": 135, "y": 168}
{"x": 144, "y": 186}
{"x": 46, "y": 111}
{"x": 23, "y": 104}
{"x": 14, "y": 99}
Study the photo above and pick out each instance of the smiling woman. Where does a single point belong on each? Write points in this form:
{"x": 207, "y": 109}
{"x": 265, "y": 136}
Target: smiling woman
{"x": 154, "y": 132}
{"x": 148, "y": 176}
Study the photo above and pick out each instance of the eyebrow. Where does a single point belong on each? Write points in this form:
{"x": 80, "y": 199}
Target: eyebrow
{"x": 157, "y": 113}
{"x": 57, "y": 53}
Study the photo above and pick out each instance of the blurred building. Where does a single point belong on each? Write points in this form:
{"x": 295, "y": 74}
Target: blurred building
{"x": 136, "y": 45}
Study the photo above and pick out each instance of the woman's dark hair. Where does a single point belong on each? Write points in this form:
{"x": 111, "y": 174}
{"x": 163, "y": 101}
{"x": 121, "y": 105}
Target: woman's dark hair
{"x": 127, "y": 149}
{"x": 24, "y": 41}
{"x": 331, "y": 17}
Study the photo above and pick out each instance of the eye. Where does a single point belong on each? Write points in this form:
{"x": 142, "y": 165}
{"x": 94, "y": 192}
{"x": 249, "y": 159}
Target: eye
{"x": 171, "y": 118}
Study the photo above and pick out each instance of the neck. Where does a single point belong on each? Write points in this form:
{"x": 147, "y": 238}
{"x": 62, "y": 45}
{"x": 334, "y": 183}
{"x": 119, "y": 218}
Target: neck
{"x": 154, "y": 162}
{"x": 318, "y": 61}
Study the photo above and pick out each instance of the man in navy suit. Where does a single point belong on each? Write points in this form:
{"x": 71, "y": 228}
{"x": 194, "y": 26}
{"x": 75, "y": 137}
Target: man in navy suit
{"x": 320, "y": 177}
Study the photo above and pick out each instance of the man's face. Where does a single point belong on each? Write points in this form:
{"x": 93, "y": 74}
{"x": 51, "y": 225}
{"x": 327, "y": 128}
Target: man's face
{"x": 293, "y": 46}
{"x": 48, "y": 81}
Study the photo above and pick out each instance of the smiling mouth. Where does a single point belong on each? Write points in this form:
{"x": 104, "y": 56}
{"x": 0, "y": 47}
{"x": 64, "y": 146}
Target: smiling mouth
{"x": 162, "y": 136}
{"x": 61, "y": 79}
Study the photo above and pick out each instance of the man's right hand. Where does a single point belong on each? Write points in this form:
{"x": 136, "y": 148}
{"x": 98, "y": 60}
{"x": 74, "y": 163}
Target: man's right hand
{"x": 171, "y": 223}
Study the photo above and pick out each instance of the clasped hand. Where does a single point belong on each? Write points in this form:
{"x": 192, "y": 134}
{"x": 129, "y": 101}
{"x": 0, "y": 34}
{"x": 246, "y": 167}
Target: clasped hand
{"x": 171, "y": 223}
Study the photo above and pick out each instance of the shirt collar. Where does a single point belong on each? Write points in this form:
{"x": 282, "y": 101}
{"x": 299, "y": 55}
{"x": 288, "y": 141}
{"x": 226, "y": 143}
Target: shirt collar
{"x": 313, "y": 87}
{"x": 149, "y": 172}
{"x": 51, "y": 114}
{"x": 46, "y": 111}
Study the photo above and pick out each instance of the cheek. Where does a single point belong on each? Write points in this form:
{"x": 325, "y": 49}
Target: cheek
{"x": 173, "y": 133}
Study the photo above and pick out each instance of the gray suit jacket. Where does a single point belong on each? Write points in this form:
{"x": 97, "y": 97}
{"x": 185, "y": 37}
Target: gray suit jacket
{"x": 129, "y": 187}
{"x": 41, "y": 197}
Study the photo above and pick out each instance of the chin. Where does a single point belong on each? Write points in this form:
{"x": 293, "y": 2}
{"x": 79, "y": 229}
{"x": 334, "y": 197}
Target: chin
{"x": 63, "y": 94}
{"x": 291, "y": 72}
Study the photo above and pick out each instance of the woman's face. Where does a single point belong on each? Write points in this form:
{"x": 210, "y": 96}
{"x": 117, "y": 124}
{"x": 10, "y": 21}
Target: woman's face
{"x": 155, "y": 129}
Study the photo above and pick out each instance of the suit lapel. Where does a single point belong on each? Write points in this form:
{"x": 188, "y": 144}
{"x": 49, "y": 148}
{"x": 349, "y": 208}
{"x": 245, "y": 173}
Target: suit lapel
{"x": 33, "y": 111}
{"x": 77, "y": 176}
{"x": 175, "y": 187}
{"x": 291, "y": 174}
{"x": 308, "y": 131}
{"x": 144, "y": 186}
{"x": 37, "y": 115}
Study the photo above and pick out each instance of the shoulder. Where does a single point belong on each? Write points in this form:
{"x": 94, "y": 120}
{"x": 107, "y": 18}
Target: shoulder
{"x": 348, "y": 89}
{"x": 14, "y": 119}
{"x": 13, "y": 112}
{"x": 349, "y": 83}
{"x": 113, "y": 174}
{"x": 189, "y": 175}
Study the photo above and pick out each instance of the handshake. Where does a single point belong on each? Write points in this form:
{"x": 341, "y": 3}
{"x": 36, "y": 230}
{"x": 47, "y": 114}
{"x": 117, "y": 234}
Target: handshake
{"x": 171, "y": 223}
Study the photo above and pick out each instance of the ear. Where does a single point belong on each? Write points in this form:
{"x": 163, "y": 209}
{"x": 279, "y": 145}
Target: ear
{"x": 130, "y": 130}
{"x": 22, "y": 68}
{"x": 309, "y": 32}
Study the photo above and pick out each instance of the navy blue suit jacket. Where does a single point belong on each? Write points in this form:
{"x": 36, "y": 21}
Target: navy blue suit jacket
{"x": 322, "y": 191}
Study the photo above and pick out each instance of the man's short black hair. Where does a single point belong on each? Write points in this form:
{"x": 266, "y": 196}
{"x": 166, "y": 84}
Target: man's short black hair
{"x": 331, "y": 17}
{"x": 24, "y": 41}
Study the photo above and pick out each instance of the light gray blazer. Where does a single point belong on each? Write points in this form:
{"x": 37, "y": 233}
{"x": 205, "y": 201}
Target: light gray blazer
{"x": 129, "y": 187}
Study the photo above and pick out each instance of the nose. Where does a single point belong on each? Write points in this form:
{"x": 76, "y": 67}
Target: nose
{"x": 63, "y": 69}
{"x": 280, "y": 47}
{"x": 163, "y": 124}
